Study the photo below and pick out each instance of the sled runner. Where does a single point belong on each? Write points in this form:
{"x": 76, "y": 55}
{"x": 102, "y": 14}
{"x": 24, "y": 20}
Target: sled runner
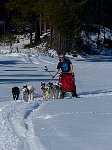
{"x": 67, "y": 83}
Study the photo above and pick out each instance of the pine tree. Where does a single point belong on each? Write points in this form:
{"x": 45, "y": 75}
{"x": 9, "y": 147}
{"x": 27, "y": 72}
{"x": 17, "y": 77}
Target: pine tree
{"x": 65, "y": 17}
{"x": 25, "y": 11}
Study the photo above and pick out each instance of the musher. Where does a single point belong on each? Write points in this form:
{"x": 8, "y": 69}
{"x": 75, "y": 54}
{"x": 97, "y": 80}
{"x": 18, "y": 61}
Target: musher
{"x": 67, "y": 68}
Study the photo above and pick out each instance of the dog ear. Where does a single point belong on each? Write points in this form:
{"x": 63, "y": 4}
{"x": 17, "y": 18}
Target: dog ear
{"x": 42, "y": 84}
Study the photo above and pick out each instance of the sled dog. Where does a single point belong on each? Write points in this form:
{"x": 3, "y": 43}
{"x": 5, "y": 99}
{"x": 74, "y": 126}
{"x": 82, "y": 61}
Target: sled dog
{"x": 50, "y": 91}
{"x": 45, "y": 92}
{"x": 57, "y": 91}
{"x": 27, "y": 92}
{"x": 15, "y": 92}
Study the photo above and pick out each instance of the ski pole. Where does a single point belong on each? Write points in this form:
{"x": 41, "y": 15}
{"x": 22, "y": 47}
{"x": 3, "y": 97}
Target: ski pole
{"x": 46, "y": 69}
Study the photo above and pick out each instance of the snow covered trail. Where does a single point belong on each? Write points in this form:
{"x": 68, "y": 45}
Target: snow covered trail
{"x": 97, "y": 93}
{"x": 11, "y": 141}
{"x": 18, "y": 121}
{"x": 64, "y": 124}
{"x": 71, "y": 123}
{"x": 15, "y": 121}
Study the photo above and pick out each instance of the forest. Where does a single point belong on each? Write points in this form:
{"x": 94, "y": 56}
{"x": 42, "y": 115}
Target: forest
{"x": 63, "y": 20}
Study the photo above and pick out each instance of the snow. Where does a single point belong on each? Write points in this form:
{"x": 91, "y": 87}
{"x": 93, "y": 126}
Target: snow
{"x": 90, "y": 38}
{"x": 83, "y": 123}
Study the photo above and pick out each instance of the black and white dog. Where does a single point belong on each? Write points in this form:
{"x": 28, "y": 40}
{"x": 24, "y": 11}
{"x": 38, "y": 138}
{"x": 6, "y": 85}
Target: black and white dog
{"x": 50, "y": 91}
{"x": 27, "y": 92}
{"x": 15, "y": 92}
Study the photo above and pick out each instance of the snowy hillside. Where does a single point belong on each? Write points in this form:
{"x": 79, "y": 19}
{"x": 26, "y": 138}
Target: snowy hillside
{"x": 97, "y": 43}
{"x": 83, "y": 123}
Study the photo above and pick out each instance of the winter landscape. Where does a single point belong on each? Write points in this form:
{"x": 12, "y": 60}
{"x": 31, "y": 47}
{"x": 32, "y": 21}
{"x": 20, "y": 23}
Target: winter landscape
{"x": 83, "y": 123}
{"x": 33, "y": 34}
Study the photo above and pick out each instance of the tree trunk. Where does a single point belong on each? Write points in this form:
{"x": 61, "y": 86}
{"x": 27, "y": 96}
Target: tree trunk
{"x": 40, "y": 23}
{"x": 31, "y": 36}
{"x": 37, "y": 30}
{"x": 45, "y": 26}
{"x": 51, "y": 36}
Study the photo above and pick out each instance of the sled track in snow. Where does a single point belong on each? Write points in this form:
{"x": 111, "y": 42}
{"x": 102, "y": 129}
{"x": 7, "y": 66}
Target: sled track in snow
{"x": 97, "y": 93}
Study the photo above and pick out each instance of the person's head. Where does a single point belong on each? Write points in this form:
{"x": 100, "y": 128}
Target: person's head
{"x": 61, "y": 57}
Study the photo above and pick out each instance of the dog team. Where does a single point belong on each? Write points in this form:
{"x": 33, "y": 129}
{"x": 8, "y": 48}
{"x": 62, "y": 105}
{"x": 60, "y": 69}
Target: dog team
{"x": 49, "y": 91}
{"x": 27, "y": 92}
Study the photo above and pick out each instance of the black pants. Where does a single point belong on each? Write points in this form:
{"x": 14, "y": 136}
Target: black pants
{"x": 74, "y": 94}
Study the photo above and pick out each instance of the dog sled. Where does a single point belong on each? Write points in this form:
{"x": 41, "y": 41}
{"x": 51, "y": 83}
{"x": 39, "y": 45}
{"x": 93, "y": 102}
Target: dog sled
{"x": 67, "y": 83}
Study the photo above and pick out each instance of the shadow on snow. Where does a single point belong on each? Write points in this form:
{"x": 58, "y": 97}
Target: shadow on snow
{"x": 100, "y": 58}
{"x": 96, "y": 92}
{"x": 8, "y": 81}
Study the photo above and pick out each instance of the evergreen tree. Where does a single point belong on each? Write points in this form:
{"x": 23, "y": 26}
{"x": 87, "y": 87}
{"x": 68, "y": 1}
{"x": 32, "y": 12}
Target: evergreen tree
{"x": 1, "y": 9}
{"x": 65, "y": 16}
{"x": 25, "y": 11}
